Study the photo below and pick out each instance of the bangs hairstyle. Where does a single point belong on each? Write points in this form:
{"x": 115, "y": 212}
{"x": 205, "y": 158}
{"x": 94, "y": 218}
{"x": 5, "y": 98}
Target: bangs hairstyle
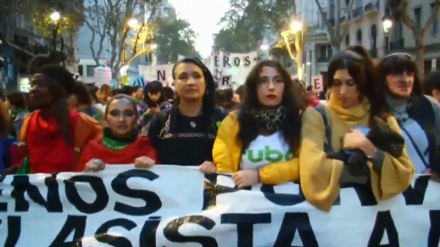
{"x": 354, "y": 64}
{"x": 120, "y": 97}
{"x": 397, "y": 63}
{"x": 292, "y": 100}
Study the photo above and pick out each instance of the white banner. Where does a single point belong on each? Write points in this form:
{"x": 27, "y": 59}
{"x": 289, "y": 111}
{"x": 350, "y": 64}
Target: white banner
{"x": 162, "y": 73}
{"x": 168, "y": 206}
{"x": 228, "y": 69}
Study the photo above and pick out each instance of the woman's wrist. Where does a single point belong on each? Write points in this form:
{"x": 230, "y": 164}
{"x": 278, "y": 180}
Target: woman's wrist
{"x": 368, "y": 148}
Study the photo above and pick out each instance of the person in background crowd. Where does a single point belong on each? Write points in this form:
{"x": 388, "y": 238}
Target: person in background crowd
{"x": 18, "y": 109}
{"x": 155, "y": 102}
{"x": 300, "y": 88}
{"x": 81, "y": 101}
{"x": 431, "y": 85}
{"x": 168, "y": 93}
{"x": 418, "y": 115}
{"x": 93, "y": 90}
{"x": 4, "y": 124}
{"x": 52, "y": 137}
{"x": 224, "y": 98}
{"x": 261, "y": 142}
{"x": 104, "y": 93}
{"x": 116, "y": 92}
{"x": 325, "y": 164}
{"x": 313, "y": 98}
{"x": 120, "y": 143}
{"x": 239, "y": 94}
{"x": 184, "y": 134}
{"x": 137, "y": 93}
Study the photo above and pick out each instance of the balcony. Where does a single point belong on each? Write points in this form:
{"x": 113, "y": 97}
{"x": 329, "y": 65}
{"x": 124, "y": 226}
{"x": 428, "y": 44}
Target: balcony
{"x": 371, "y": 8}
{"x": 342, "y": 19}
{"x": 332, "y": 21}
{"x": 322, "y": 59}
{"x": 397, "y": 45}
{"x": 357, "y": 12}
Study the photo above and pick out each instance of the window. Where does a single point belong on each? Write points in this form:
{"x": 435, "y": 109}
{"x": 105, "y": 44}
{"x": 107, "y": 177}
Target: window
{"x": 90, "y": 70}
{"x": 418, "y": 16}
{"x": 359, "y": 37}
{"x": 434, "y": 28}
{"x": 322, "y": 53}
{"x": 80, "y": 70}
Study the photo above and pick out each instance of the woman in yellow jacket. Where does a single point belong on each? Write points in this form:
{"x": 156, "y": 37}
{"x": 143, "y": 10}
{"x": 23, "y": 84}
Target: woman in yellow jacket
{"x": 261, "y": 141}
{"x": 345, "y": 120}
{"x": 321, "y": 174}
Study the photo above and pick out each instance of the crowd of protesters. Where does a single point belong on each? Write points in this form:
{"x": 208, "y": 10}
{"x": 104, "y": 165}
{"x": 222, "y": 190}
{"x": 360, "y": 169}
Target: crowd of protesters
{"x": 377, "y": 128}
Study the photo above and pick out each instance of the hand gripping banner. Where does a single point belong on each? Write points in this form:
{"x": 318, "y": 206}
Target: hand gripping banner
{"x": 174, "y": 206}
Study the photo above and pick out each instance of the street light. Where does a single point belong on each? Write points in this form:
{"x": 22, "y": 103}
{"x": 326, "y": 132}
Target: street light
{"x": 387, "y": 23}
{"x": 132, "y": 22}
{"x": 153, "y": 46}
{"x": 55, "y": 16}
{"x": 296, "y": 26}
{"x": 264, "y": 47}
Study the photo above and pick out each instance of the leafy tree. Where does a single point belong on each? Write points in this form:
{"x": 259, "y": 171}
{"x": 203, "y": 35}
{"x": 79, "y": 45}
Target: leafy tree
{"x": 230, "y": 40}
{"x": 37, "y": 13}
{"x": 247, "y": 21}
{"x": 335, "y": 31}
{"x": 399, "y": 11}
{"x": 175, "y": 37}
{"x": 108, "y": 21}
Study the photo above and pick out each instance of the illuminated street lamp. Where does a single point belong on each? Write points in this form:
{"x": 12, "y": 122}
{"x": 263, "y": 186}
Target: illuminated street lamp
{"x": 132, "y": 22}
{"x": 387, "y": 23}
{"x": 296, "y": 26}
{"x": 264, "y": 47}
{"x": 153, "y": 46}
{"x": 55, "y": 16}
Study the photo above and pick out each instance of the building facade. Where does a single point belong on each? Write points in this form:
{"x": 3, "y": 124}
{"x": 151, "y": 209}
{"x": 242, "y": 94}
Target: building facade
{"x": 316, "y": 50}
{"x": 20, "y": 43}
{"x": 402, "y": 38}
{"x": 365, "y": 27}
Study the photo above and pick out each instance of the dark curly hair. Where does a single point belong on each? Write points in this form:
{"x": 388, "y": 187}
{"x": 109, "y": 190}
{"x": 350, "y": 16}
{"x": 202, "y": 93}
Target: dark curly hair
{"x": 249, "y": 130}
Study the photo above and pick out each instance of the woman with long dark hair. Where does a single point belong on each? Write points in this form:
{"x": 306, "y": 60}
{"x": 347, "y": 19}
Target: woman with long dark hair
{"x": 53, "y": 135}
{"x": 184, "y": 134}
{"x": 343, "y": 152}
{"x": 261, "y": 142}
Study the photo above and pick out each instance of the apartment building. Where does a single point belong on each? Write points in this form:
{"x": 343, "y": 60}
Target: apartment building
{"x": 14, "y": 61}
{"x": 316, "y": 51}
{"x": 402, "y": 38}
{"x": 365, "y": 27}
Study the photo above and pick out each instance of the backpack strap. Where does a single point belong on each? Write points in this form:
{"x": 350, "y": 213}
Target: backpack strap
{"x": 328, "y": 134}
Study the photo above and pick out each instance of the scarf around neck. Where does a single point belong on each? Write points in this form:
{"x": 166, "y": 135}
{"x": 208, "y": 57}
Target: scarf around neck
{"x": 399, "y": 108}
{"x": 353, "y": 114}
{"x": 113, "y": 143}
{"x": 271, "y": 120}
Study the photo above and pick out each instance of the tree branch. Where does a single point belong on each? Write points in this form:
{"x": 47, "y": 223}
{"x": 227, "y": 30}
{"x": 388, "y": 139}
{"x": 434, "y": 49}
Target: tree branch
{"x": 330, "y": 29}
{"x": 350, "y": 8}
{"x": 432, "y": 18}
{"x": 410, "y": 23}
